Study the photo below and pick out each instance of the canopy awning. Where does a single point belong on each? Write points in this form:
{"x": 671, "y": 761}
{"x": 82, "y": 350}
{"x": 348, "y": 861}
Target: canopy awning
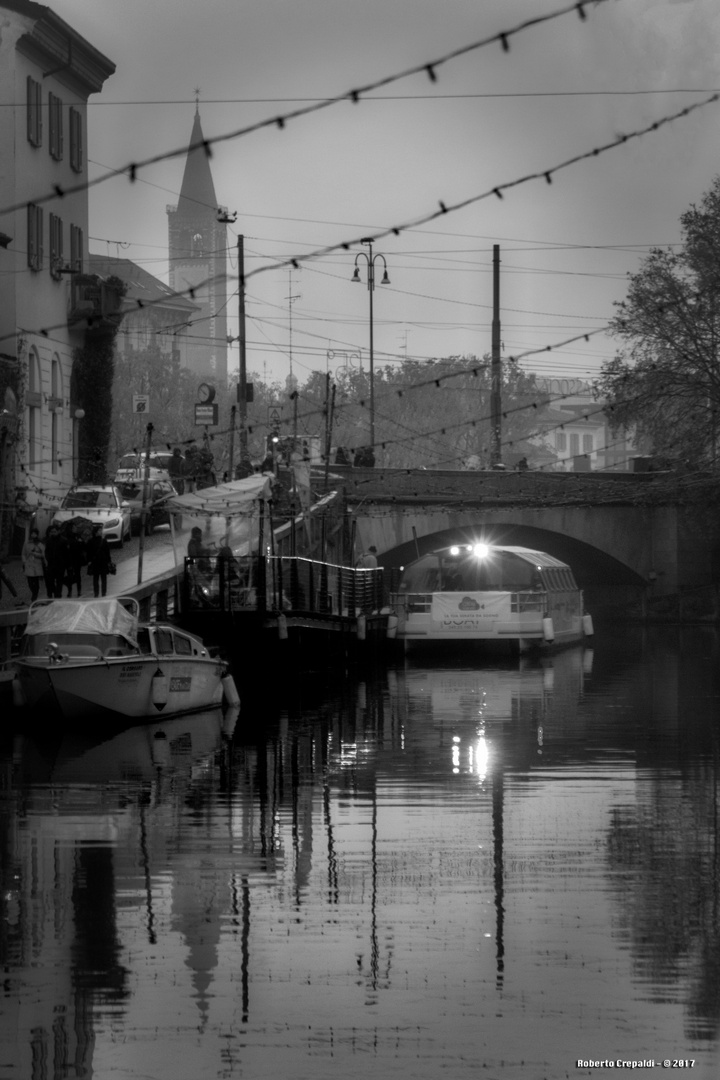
{"x": 225, "y": 500}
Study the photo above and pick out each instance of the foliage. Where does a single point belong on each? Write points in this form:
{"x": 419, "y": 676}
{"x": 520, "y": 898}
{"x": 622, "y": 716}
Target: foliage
{"x": 427, "y": 413}
{"x": 666, "y": 379}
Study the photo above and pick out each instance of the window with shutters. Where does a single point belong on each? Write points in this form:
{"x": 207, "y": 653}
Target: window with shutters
{"x": 55, "y": 121}
{"x": 34, "y": 112}
{"x": 574, "y": 444}
{"x": 77, "y": 243}
{"x": 76, "y": 140}
{"x": 56, "y": 245}
{"x": 560, "y": 441}
{"x": 34, "y": 236}
{"x": 587, "y": 444}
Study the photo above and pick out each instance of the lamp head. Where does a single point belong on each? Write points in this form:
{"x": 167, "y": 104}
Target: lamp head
{"x": 385, "y": 278}
{"x": 356, "y": 274}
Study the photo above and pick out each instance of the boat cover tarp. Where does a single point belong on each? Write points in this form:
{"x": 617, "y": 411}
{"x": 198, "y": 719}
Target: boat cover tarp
{"x": 102, "y": 616}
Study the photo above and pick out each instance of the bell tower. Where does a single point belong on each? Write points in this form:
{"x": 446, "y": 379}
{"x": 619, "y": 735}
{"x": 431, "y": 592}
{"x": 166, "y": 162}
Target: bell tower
{"x": 197, "y": 257}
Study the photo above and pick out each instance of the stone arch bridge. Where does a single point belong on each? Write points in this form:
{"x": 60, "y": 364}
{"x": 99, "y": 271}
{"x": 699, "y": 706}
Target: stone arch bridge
{"x": 638, "y": 543}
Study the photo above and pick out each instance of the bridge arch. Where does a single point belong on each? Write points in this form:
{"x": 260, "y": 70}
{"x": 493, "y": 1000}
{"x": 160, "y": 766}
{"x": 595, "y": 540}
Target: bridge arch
{"x": 606, "y": 581}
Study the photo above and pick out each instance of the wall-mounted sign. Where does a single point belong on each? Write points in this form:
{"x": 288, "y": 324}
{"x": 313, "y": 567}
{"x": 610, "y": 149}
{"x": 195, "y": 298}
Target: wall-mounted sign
{"x": 141, "y": 403}
{"x": 206, "y": 414}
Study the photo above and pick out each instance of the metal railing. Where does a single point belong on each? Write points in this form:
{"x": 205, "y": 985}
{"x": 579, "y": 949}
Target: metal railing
{"x": 287, "y": 583}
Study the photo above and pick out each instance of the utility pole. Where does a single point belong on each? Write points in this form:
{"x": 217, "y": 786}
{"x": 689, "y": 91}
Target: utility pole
{"x": 242, "y": 386}
{"x": 144, "y": 512}
{"x": 496, "y": 367}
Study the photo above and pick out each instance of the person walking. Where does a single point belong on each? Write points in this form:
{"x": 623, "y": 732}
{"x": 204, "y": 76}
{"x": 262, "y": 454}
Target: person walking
{"x": 176, "y": 468}
{"x": 99, "y": 561}
{"x": 54, "y": 562}
{"x": 33, "y": 563}
{"x": 75, "y": 558}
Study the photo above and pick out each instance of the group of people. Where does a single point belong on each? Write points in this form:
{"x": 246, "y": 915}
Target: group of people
{"x": 193, "y": 470}
{"x": 59, "y": 559}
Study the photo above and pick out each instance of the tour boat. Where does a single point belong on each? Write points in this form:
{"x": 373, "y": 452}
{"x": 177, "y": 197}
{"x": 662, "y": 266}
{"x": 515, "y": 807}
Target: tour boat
{"x": 95, "y": 657}
{"x": 488, "y": 593}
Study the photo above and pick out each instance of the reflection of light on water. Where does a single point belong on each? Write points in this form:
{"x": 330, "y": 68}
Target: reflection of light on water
{"x": 478, "y": 755}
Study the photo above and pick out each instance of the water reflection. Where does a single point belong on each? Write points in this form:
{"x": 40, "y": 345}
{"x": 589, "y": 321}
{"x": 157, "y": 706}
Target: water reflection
{"x": 437, "y": 871}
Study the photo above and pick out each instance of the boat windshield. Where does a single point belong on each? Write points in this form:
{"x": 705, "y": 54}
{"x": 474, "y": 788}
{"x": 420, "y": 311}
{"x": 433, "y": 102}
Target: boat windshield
{"x": 92, "y": 645}
{"x": 499, "y": 571}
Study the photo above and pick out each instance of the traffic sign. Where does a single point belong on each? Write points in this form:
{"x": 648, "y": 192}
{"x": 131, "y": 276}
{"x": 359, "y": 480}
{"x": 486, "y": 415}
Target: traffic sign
{"x": 141, "y": 403}
{"x": 206, "y": 414}
{"x": 274, "y": 415}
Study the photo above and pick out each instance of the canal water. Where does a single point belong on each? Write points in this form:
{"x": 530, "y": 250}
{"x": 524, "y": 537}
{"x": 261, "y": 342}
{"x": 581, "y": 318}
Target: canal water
{"x": 449, "y": 869}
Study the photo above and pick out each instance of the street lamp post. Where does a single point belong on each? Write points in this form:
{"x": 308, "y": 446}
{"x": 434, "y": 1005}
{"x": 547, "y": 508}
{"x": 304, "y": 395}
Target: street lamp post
{"x": 371, "y": 260}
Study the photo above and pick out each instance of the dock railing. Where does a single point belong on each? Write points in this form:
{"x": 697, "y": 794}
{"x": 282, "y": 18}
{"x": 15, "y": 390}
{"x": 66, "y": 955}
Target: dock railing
{"x": 281, "y": 583}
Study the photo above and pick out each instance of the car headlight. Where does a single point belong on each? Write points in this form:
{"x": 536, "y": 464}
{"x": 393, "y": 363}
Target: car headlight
{"x": 112, "y": 523}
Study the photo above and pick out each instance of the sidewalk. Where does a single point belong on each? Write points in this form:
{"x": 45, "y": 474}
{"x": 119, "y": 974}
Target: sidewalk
{"x": 156, "y": 561}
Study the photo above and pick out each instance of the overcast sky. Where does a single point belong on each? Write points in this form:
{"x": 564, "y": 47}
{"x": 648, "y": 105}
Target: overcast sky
{"x": 562, "y": 89}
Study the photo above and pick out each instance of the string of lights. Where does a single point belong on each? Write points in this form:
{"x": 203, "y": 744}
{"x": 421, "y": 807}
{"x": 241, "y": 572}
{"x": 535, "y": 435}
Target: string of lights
{"x": 444, "y": 208}
{"x": 428, "y": 68}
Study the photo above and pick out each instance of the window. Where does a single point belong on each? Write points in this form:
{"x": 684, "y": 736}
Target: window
{"x": 76, "y": 140}
{"x": 574, "y": 444}
{"x": 35, "y": 236}
{"x": 55, "y": 119}
{"x": 587, "y": 444}
{"x": 56, "y": 407}
{"x": 33, "y": 399}
{"x": 561, "y": 441}
{"x": 77, "y": 245}
{"x": 56, "y": 245}
{"x": 34, "y": 112}
{"x": 183, "y": 645}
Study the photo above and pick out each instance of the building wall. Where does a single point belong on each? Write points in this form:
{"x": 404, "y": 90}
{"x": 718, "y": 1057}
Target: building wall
{"x": 35, "y": 299}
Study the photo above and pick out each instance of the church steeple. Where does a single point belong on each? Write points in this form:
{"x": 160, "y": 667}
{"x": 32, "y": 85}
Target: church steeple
{"x": 198, "y": 190}
{"x": 197, "y": 249}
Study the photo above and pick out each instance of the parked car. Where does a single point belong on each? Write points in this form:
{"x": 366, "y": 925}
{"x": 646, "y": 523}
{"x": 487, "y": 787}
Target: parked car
{"x": 158, "y": 492}
{"x": 97, "y": 503}
{"x": 132, "y": 467}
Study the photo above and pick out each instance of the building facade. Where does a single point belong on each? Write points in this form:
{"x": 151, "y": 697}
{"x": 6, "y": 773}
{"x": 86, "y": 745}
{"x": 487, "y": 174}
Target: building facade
{"x": 198, "y": 261}
{"x": 47, "y": 73}
{"x": 578, "y": 431}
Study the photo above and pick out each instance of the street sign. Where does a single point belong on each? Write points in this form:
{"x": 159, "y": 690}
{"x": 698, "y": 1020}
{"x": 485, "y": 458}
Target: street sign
{"x": 141, "y": 403}
{"x": 274, "y": 415}
{"x": 206, "y": 414}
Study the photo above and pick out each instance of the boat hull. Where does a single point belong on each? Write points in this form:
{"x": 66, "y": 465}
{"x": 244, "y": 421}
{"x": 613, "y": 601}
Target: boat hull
{"x": 125, "y": 686}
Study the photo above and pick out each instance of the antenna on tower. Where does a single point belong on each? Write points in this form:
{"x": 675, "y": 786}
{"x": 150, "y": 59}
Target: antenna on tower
{"x": 291, "y": 380}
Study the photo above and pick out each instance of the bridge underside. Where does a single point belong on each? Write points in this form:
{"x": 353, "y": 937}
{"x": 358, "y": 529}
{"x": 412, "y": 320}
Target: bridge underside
{"x": 620, "y": 559}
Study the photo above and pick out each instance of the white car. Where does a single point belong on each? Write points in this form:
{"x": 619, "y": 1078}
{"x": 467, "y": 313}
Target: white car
{"x": 131, "y": 467}
{"x": 99, "y": 504}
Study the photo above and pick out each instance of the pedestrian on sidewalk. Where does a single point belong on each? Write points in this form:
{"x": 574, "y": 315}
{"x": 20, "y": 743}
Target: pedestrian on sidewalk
{"x": 99, "y": 560}
{"x": 54, "y": 562}
{"x": 33, "y": 563}
{"x": 74, "y": 558}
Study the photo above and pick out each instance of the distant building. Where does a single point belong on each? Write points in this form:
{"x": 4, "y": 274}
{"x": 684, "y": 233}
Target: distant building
{"x": 153, "y": 314}
{"x": 577, "y": 429}
{"x": 197, "y": 244}
{"x": 47, "y": 72}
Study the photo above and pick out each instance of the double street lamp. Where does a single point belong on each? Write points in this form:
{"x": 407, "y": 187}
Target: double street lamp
{"x": 371, "y": 260}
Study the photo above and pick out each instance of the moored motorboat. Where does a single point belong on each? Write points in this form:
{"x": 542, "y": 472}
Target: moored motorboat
{"x": 93, "y": 657}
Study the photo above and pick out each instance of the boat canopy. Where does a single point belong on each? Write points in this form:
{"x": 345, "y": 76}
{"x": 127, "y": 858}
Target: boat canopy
{"x": 102, "y": 616}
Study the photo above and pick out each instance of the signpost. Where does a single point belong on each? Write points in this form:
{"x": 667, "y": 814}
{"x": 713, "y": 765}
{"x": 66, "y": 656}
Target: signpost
{"x": 141, "y": 403}
{"x": 206, "y": 415}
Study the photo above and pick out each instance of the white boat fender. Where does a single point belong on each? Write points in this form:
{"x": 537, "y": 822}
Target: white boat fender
{"x": 282, "y": 627}
{"x": 232, "y": 698}
{"x": 160, "y": 690}
{"x": 548, "y": 629}
{"x": 587, "y": 625}
{"x": 361, "y": 627}
{"x": 18, "y": 694}
{"x": 392, "y": 627}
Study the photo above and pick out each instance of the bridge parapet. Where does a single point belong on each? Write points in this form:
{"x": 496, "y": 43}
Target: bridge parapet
{"x": 526, "y": 488}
